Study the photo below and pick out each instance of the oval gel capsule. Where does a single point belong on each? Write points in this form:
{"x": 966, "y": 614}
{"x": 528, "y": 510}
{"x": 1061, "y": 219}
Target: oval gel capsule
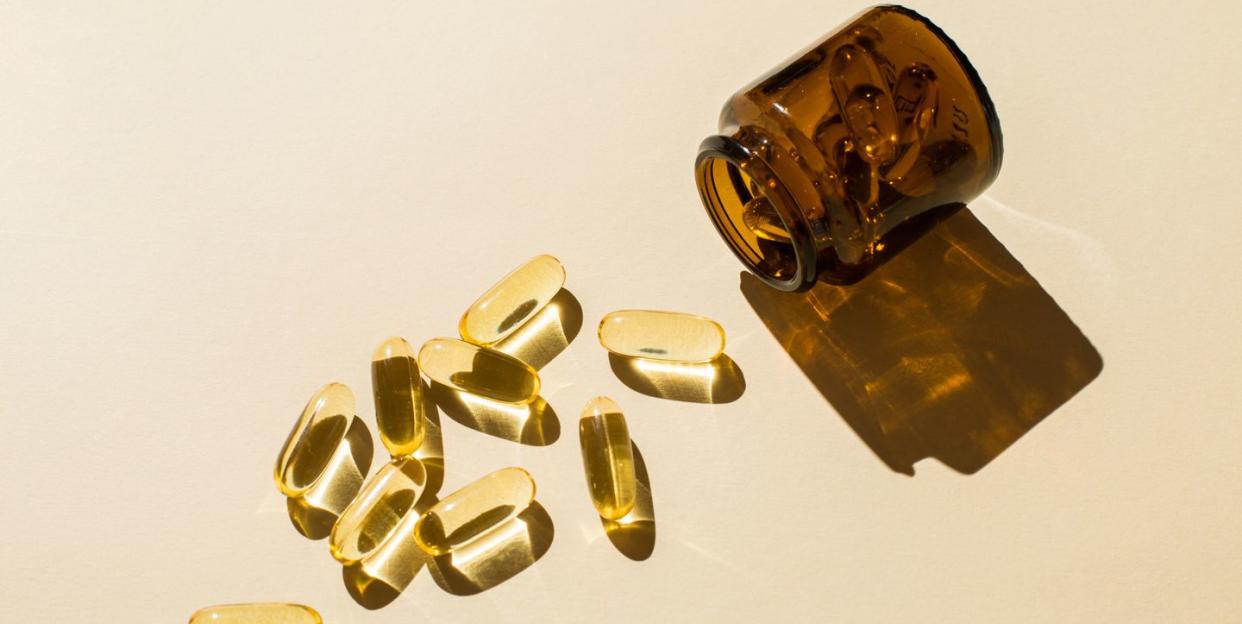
{"x": 257, "y": 613}
{"x": 478, "y": 370}
{"x": 915, "y": 98}
{"x": 761, "y": 218}
{"x": 512, "y": 301}
{"x": 607, "y": 458}
{"x": 474, "y": 510}
{"x": 314, "y": 439}
{"x": 672, "y": 336}
{"x": 398, "y": 397}
{"x": 378, "y": 513}
{"x": 865, "y": 102}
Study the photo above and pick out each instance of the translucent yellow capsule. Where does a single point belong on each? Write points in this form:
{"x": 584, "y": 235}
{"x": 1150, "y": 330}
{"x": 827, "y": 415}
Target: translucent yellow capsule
{"x": 669, "y": 336}
{"x": 257, "y": 613}
{"x": 473, "y": 511}
{"x": 379, "y": 512}
{"x": 478, "y": 370}
{"x": 314, "y": 439}
{"x": 398, "y": 394}
{"x": 866, "y": 104}
{"x": 608, "y": 458}
{"x": 761, "y": 218}
{"x": 512, "y": 301}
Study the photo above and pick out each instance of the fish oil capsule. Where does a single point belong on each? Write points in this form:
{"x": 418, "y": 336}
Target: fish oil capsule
{"x": 672, "y": 336}
{"x": 512, "y": 301}
{"x": 866, "y": 105}
{"x": 474, "y": 510}
{"x": 257, "y": 613}
{"x": 914, "y": 97}
{"x": 478, "y": 370}
{"x": 379, "y": 511}
{"x": 607, "y": 458}
{"x": 761, "y": 218}
{"x": 398, "y": 397}
{"x": 314, "y": 439}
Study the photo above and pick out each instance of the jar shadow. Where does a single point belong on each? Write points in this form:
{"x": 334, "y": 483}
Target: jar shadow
{"x": 496, "y": 556}
{"x": 314, "y": 512}
{"x": 634, "y": 534}
{"x": 949, "y": 349}
{"x": 717, "y": 381}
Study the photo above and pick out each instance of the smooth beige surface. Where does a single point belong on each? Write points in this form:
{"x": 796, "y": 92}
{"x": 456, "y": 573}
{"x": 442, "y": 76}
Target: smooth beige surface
{"x": 208, "y": 210}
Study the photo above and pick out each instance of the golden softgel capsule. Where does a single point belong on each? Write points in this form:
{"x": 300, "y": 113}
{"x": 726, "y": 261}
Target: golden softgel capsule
{"x": 475, "y": 510}
{"x": 398, "y": 397}
{"x": 383, "y": 509}
{"x": 608, "y": 458}
{"x": 512, "y": 301}
{"x": 257, "y": 613}
{"x": 669, "y": 336}
{"x": 478, "y": 370}
{"x": 314, "y": 439}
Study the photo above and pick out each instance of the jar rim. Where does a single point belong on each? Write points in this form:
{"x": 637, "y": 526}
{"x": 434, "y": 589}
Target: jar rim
{"x": 742, "y": 158}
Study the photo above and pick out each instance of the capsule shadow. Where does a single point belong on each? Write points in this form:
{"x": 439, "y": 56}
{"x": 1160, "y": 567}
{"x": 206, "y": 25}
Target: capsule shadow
{"x": 377, "y": 580}
{"x": 314, "y": 512}
{"x": 496, "y": 556}
{"x": 431, "y": 451}
{"x": 634, "y": 533}
{"x": 717, "y": 381}
{"x": 535, "y": 424}
{"x": 542, "y": 338}
{"x": 950, "y": 349}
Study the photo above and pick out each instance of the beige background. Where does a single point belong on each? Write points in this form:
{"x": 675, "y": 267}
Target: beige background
{"x": 210, "y": 209}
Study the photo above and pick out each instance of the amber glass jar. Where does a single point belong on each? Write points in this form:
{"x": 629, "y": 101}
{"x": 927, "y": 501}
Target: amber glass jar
{"x": 825, "y": 165}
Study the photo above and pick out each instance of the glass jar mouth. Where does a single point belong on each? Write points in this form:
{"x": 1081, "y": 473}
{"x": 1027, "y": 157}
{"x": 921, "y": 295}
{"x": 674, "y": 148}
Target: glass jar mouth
{"x": 731, "y": 180}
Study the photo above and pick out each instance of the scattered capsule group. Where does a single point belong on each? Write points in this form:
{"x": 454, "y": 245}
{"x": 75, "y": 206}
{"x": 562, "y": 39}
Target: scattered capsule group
{"x": 378, "y": 523}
